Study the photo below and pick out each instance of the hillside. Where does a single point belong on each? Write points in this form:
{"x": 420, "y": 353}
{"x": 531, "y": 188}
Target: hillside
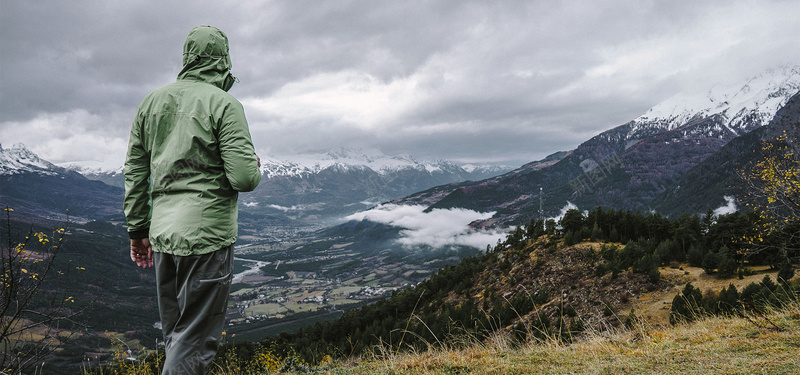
{"x": 719, "y": 174}
{"x": 93, "y": 274}
{"x": 604, "y": 268}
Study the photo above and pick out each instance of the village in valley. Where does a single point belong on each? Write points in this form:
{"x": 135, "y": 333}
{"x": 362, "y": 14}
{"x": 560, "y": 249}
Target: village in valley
{"x": 279, "y": 284}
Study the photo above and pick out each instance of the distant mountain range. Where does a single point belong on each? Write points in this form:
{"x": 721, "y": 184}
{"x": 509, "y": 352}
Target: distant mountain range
{"x": 631, "y": 166}
{"x": 345, "y": 181}
{"x": 94, "y": 171}
{"x": 349, "y": 158}
{"x": 304, "y": 187}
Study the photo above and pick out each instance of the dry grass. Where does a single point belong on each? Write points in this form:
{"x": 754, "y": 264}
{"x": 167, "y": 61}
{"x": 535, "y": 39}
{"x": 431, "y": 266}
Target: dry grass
{"x": 655, "y": 305}
{"x": 715, "y": 345}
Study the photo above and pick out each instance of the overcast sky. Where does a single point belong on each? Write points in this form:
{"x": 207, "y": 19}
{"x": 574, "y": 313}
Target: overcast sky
{"x": 482, "y": 81}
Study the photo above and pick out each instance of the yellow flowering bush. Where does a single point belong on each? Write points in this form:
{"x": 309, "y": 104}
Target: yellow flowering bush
{"x": 774, "y": 195}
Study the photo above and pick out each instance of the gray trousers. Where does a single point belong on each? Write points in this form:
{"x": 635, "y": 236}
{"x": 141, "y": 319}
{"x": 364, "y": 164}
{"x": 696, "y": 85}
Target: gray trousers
{"x": 192, "y": 299}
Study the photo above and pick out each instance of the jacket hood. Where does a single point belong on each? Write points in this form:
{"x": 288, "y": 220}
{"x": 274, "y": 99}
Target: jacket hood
{"x": 206, "y": 57}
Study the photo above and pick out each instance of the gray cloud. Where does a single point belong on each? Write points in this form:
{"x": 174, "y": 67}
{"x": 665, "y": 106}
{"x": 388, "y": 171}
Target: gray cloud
{"x": 467, "y": 81}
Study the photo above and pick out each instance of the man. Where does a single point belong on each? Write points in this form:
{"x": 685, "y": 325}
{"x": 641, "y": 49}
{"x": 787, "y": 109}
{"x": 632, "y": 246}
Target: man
{"x": 189, "y": 155}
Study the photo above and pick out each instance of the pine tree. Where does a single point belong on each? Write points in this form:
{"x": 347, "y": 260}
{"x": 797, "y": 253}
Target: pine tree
{"x": 710, "y": 262}
{"x": 695, "y": 256}
{"x": 686, "y": 305}
{"x": 597, "y": 234}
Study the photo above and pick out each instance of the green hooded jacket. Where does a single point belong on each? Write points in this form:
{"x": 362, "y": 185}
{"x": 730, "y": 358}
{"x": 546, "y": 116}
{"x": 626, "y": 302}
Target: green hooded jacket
{"x": 189, "y": 155}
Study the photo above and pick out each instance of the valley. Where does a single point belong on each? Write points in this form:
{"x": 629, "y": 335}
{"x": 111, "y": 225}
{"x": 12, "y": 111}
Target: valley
{"x": 287, "y": 285}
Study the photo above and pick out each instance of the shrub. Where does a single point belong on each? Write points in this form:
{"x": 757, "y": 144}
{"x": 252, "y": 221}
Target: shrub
{"x": 786, "y": 272}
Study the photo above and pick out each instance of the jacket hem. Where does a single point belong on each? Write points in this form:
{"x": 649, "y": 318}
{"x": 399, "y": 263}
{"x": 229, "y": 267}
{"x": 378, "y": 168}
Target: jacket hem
{"x": 195, "y": 251}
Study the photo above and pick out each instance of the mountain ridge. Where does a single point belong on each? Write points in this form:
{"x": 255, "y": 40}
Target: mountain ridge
{"x": 628, "y": 166}
{"x": 719, "y": 174}
{"x": 306, "y": 164}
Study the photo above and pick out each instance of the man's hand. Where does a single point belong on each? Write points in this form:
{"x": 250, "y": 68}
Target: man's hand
{"x": 142, "y": 252}
{"x": 259, "y": 161}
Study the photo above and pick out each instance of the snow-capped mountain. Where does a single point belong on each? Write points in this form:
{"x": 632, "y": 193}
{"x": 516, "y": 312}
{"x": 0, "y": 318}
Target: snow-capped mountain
{"x": 721, "y": 173}
{"x": 36, "y": 187}
{"x": 740, "y": 107}
{"x": 707, "y": 120}
{"x": 18, "y": 159}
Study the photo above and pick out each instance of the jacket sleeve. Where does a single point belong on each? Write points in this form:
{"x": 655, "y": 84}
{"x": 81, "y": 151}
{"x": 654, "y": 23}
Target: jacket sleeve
{"x": 136, "y": 203}
{"x": 237, "y": 151}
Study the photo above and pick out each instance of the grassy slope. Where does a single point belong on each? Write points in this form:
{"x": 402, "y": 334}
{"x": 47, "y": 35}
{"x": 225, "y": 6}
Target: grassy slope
{"x": 711, "y": 346}
{"x": 715, "y": 345}
{"x": 767, "y": 343}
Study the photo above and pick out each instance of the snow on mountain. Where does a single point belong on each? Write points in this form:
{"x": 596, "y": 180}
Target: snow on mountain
{"x": 635, "y": 165}
{"x": 487, "y": 169}
{"x": 44, "y": 190}
{"x": 742, "y": 107}
{"x": 345, "y": 158}
{"x": 18, "y": 159}
{"x": 91, "y": 167}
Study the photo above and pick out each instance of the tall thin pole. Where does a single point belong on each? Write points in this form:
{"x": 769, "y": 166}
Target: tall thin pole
{"x": 541, "y": 212}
